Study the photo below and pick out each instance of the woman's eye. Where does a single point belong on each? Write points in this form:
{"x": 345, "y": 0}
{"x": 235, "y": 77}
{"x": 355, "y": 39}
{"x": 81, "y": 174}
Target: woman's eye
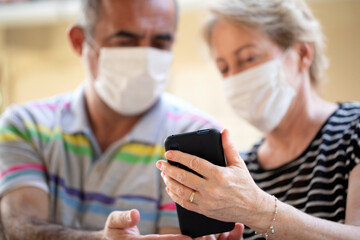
{"x": 250, "y": 59}
{"x": 244, "y": 61}
{"x": 224, "y": 71}
{"x": 222, "y": 66}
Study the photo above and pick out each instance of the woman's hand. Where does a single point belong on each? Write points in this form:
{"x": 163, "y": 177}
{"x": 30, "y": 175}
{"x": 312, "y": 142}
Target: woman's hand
{"x": 224, "y": 193}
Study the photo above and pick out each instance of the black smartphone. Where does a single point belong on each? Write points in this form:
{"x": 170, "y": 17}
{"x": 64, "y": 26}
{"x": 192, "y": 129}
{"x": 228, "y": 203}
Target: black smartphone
{"x": 205, "y": 144}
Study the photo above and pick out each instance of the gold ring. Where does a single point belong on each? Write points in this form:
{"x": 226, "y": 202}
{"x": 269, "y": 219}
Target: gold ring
{"x": 191, "y": 199}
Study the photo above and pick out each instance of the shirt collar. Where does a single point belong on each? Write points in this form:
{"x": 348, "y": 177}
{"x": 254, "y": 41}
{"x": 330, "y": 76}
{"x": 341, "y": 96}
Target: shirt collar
{"x": 146, "y": 130}
{"x": 76, "y": 119}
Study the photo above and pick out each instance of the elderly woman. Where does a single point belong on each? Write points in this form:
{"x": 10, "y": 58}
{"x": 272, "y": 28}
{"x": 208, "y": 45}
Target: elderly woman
{"x": 302, "y": 181}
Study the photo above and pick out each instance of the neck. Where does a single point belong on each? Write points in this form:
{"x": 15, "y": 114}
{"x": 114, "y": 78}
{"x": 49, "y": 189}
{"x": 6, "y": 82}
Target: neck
{"x": 107, "y": 125}
{"x": 295, "y": 132}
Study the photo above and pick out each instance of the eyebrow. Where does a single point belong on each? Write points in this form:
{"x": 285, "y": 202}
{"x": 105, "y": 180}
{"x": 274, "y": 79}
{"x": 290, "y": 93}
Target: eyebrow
{"x": 239, "y": 50}
{"x": 128, "y": 34}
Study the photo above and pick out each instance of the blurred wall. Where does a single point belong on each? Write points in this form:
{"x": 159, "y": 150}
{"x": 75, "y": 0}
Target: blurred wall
{"x": 36, "y": 61}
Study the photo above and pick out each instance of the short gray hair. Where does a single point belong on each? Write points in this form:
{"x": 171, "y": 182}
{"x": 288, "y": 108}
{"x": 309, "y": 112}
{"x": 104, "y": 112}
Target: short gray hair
{"x": 89, "y": 14}
{"x": 285, "y": 21}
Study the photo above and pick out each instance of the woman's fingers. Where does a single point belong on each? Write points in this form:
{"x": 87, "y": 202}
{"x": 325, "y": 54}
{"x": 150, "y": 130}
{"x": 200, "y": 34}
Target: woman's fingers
{"x": 199, "y": 165}
{"x": 184, "y": 177}
{"x": 231, "y": 153}
{"x": 180, "y": 190}
{"x": 185, "y": 203}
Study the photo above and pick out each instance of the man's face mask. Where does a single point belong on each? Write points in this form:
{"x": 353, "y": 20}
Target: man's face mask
{"x": 130, "y": 80}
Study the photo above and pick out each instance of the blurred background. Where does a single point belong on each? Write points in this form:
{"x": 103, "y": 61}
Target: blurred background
{"x": 36, "y": 60}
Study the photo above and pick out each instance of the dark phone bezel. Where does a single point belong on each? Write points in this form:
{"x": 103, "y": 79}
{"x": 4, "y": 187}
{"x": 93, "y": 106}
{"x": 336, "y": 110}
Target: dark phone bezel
{"x": 191, "y": 223}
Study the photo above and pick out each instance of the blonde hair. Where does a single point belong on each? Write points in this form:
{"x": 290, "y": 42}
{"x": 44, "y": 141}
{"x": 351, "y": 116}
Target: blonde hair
{"x": 286, "y": 22}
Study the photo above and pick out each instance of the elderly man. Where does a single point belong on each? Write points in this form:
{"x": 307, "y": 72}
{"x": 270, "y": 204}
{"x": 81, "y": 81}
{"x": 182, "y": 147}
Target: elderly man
{"x": 74, "y": 166}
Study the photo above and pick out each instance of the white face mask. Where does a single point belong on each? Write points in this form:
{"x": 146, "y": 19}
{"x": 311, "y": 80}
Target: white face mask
{"x": 260, "y": 95}
{"x": 130, "y": 80}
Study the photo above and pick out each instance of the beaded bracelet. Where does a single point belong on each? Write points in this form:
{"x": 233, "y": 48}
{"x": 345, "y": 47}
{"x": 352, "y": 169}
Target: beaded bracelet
{"x": 271, "y": 228}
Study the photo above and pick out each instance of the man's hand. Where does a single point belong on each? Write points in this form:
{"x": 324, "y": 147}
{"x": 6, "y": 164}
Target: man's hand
{"x": 122, "y": 225}
{"x": 235, "y": 234}
{"x": 25, "y": 216}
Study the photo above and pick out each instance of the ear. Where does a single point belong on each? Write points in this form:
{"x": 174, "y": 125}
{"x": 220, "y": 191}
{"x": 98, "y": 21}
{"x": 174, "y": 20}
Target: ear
{"x": 306, "y": 55}
{"x": 76, "y": 36}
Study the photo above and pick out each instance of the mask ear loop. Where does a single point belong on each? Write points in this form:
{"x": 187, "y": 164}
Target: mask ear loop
{"x": 284, "y": 55}
{"x": 91, "y": 44}
{"x": 90, "y": 41}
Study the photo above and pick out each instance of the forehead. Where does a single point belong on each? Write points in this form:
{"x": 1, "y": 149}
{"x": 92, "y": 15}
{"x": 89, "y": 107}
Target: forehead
{"x": 137, "y": 15}
{"x": 229, "y": 35}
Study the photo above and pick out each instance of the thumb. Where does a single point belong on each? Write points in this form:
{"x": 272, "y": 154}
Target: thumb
{"x": 237, "y": 233}
{"x": 231, "y": 153}
{"x": 122, "y": 220}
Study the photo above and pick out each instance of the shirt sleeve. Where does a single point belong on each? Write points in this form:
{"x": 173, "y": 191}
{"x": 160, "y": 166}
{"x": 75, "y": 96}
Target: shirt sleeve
{"x": 21, "y": 164}
{"x": 204, "y": 121}
{"x": 168, "y": 214}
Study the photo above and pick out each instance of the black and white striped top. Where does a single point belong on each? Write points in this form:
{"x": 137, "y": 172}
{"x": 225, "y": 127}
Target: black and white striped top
{"x": 316, "y": 182}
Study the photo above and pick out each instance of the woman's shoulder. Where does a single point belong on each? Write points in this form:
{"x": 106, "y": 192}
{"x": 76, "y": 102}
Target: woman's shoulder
{"x": 250, "y": 155}
{"x": 345, "y": 117}
{"x": 350, "y": 108}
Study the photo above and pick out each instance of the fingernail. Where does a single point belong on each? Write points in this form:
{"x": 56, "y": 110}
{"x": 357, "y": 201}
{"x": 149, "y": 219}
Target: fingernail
{"x": 167, "y": 189}
{"x": 159, "y": 165}
{"x": 129, "y": 216}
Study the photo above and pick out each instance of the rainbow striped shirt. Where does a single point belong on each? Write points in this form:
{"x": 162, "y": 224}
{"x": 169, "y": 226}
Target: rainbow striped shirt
{"x": 48, "y": 144}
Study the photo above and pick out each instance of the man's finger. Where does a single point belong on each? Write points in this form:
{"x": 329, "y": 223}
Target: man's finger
{"x": 237, "y": 232}
{"x": 122, "y": 220}
{"x": 165, "y": 237}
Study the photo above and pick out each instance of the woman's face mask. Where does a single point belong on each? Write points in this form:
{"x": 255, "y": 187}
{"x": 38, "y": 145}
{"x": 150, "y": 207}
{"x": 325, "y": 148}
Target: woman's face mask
{"x": 260, "y": 94}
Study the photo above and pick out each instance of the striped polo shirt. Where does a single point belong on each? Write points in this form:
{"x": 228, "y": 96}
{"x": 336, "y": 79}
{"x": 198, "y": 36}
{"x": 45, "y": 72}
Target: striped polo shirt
{"x": 49, "y": 144}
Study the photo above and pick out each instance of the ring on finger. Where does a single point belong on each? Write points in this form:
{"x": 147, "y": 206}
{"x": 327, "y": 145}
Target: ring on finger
{"x": 191, "y": 199}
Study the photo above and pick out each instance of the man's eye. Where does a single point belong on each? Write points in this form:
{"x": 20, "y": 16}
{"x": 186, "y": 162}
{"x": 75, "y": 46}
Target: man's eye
{"x": 161, "y": 45}
{"x": 123, "y": 43}
{"x": 126, "y": 43}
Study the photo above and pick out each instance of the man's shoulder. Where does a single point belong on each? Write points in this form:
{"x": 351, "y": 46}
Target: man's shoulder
{"x": 181, "y": 112}
{"x": 41, "y": 110}
{"x": 176, "y": 104}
